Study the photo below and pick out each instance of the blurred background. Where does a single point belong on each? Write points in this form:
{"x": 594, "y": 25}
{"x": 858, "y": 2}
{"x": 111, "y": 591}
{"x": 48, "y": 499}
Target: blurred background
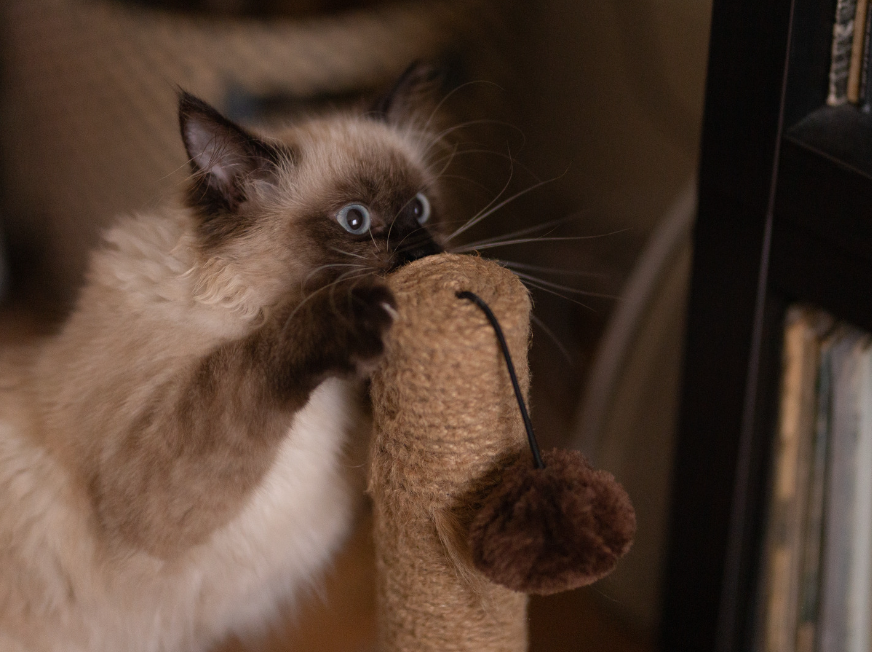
{"x": 589, "y": 111}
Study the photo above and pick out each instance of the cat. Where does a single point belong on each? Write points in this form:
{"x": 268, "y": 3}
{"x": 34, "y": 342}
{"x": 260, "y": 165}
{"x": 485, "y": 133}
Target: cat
{"x": 171, "y": 459}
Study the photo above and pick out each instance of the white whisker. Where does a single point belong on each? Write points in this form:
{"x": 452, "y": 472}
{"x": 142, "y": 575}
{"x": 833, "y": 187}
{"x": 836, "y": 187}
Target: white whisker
{"x": 328, "y": 266}
{"x": 465, "y": 249}
{"x": 500, "y": 205}
{"x": 452, "y": 92}
{"x": 450, "y": 158}
{"x": 477, "y": 217}
{"x": 565, "y": 288}
{"x": 323, "y": 288}
{"x": 535, "y": 285}
{"x": 347, "y": 253}
{"x": 525, "y": 231}
{"x": 491, "y": 152}
{"x": 541, "y": 324}
{"x": 426, "y": 129}
{"x": 439, "y": 138}
{"x": 550, "y": 270}
{"x": 473, "y": 182}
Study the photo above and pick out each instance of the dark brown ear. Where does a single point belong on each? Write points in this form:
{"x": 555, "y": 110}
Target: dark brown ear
{"x": 223, "y": 157}
{"x": 412, "y": 94}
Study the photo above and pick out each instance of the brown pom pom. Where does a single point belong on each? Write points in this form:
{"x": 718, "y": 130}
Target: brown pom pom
{"x": 553, "y": 529}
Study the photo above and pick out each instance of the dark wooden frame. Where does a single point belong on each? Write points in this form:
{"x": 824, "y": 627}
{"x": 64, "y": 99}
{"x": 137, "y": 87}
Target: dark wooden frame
{"x": 785, "y": 214}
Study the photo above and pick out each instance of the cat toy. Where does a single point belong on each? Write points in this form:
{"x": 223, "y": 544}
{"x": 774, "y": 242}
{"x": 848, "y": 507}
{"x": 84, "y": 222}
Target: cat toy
{"x": 469, "y": 516}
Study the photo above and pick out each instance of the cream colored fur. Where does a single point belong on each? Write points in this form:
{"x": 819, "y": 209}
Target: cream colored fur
{"x": 62, "y": 585}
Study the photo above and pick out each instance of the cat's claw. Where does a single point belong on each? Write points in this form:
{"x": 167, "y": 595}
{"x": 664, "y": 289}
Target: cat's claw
{"x": 373, "y": 313}
{"x": 391, "y": 311}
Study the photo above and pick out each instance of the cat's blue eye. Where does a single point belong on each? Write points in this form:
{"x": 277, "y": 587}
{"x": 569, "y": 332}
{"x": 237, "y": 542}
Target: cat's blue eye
{"x": 354, "y": 218}
{"x": 421, "y": 208}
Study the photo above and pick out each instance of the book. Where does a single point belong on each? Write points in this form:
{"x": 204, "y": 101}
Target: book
{"x": 792, "y": 462}
{"x": 855, "y": 69}
{"x": 812, "y": 537}
{"x": 840, "y": 52}
{"x": 816, "y": 584}
{"x": 860, "y": 588}
{"x": 837, "y": 629}
{"x": 865, "y": 99}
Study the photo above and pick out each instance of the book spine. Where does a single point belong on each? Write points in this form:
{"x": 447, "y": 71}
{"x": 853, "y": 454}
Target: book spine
{"x": 790, "y": 480}
{"x": 860, "y": 588}
{"x": 865, "y": 90}
{"x": 855, "y": 70}
{"x": 840, "y": 60}
{"x": 810, "y": 572}
{"x": 835, "y": 619}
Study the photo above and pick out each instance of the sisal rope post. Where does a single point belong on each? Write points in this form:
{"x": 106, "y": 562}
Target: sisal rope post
{"x": 446, "y": 423}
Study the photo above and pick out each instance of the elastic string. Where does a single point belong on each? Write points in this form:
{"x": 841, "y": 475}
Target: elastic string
{"x": 531, "y": 438}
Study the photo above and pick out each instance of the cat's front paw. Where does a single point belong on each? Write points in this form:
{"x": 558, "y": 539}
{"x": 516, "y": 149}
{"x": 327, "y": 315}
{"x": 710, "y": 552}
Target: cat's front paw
{"x": 372, "y": 309}
{"x": 339, "y": 330}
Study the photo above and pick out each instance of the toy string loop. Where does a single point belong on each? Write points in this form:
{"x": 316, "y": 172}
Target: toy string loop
{"x": 528, "y": 425}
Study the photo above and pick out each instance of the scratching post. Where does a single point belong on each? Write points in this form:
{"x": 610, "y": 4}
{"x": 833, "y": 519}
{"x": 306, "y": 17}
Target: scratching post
{"x": 465, "y": 523}
{"x": 446, "y": 424}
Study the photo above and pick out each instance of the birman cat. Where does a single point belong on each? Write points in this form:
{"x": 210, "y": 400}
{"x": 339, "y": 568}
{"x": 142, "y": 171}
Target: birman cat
{"x": 171, "y": 458}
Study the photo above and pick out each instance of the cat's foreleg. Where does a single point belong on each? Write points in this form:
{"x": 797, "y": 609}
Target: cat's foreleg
{"x": 189, "y": 461}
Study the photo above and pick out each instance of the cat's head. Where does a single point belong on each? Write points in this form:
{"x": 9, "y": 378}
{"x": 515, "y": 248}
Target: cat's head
{"x": 342, "y": 195}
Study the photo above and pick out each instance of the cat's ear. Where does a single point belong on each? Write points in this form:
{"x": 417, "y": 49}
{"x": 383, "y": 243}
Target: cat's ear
{"x": 411, "y": 95}
{"x": 223, "y": 156}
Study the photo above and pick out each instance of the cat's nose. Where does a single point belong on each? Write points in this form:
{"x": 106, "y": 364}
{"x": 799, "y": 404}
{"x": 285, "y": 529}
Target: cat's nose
{"x": 421, "y": 247}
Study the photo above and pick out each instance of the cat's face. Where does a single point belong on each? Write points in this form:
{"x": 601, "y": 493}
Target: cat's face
{"x": 339, "y": 196}
{"x": 362, "y": 191}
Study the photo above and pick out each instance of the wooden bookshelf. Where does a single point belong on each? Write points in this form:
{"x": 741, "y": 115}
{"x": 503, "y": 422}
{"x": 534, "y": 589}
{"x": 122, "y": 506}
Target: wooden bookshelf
{"x": 785, "y": 214}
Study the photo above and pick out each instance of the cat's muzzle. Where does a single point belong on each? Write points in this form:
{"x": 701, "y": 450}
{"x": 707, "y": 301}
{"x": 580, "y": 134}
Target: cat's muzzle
{"x": 421, "y": 248}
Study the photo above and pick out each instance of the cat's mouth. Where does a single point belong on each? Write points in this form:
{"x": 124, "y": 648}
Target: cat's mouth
{"x": 421, "y": 248}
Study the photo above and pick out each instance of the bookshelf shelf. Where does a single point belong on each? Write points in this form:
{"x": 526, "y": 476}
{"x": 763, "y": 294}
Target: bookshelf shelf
{"x": 785, "y": 215}
{"x": 841, "y": 134}
{"x": 810, "y": 269}
{"x": 829, "y": 202}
